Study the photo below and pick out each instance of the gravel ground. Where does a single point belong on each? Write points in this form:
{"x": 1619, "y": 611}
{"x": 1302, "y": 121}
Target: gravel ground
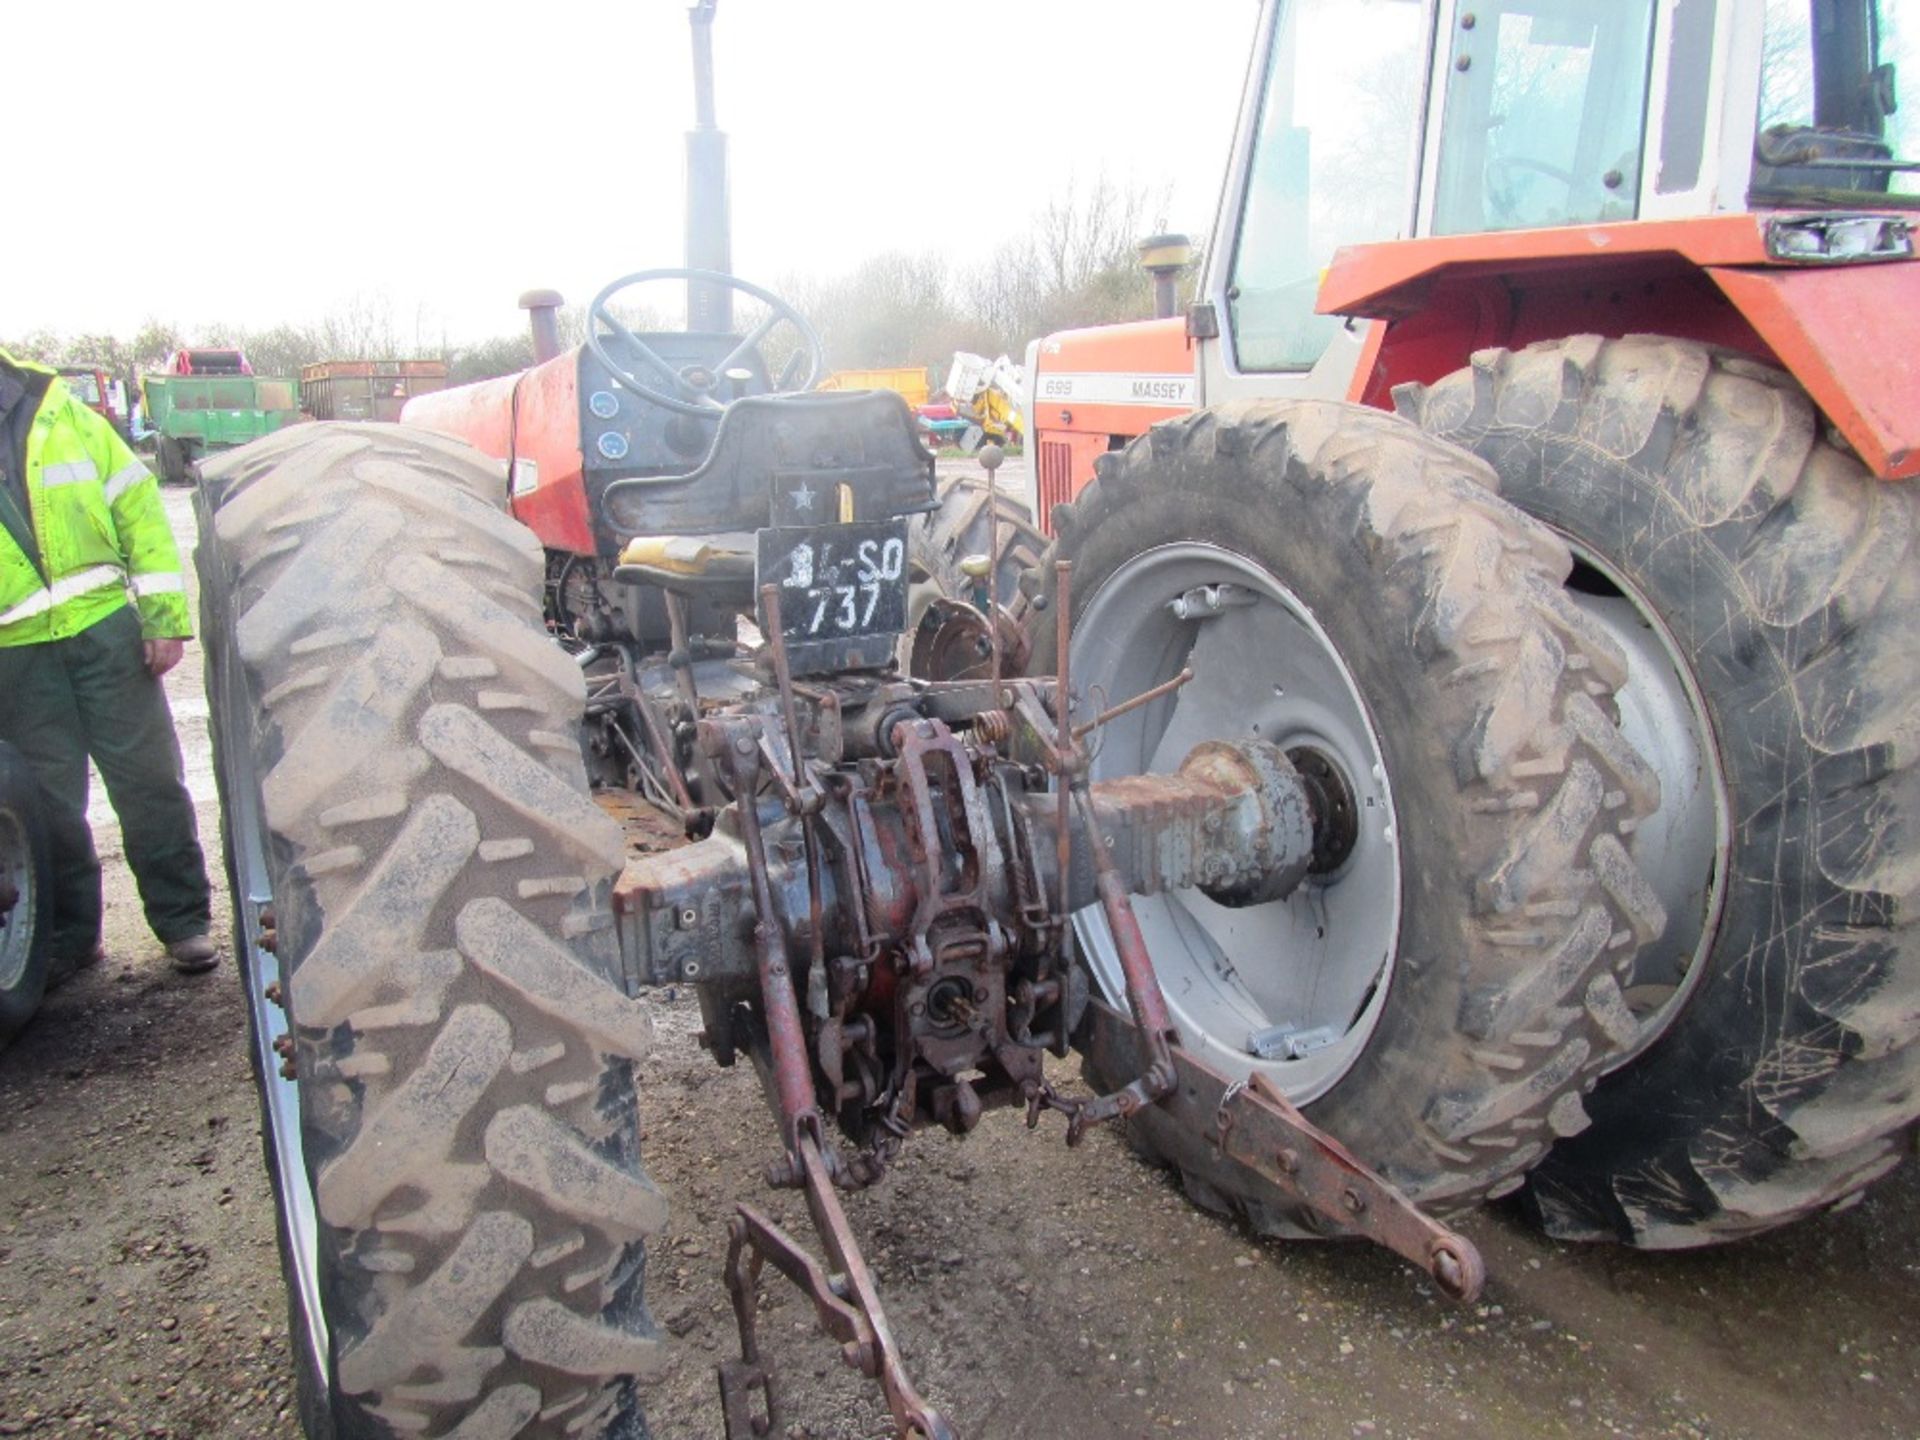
{"x": 1038, "y": 1292}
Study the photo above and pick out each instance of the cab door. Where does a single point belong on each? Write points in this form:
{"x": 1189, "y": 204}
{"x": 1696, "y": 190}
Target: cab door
{"x": 1326, "y": 154}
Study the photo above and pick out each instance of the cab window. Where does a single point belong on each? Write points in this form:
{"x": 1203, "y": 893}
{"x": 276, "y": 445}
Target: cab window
{"x": 1545, "y": 118}
{"x": 1832, "y": 129}
{"x": 1333, "y": 163}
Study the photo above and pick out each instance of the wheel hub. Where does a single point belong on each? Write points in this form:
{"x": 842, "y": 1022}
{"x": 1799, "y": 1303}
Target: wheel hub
{"x": 1312, "y": 968}
{"x": 1336, "y": 828}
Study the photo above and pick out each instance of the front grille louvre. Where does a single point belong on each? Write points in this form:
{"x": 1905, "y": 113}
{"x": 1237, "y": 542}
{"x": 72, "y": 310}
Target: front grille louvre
{"x": 1055, "y": 484}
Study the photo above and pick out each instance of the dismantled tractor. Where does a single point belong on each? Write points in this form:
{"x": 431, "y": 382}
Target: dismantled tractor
{"x": 1293, "y": 761}
{"x": 882, "y": 910}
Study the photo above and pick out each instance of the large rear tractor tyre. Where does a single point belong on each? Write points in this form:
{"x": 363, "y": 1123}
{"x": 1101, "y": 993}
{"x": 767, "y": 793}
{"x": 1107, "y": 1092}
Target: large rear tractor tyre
{"x": 26, "y": 885}
{"x": 938, "y": 544}
{"x": 1443, "y": 989}
{"x": 1766, "y": 587}
{"x": 412, "y": 847}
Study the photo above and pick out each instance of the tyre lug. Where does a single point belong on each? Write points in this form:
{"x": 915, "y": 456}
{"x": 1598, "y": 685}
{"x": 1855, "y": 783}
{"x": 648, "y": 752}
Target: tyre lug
{"x": 274, "y": 993}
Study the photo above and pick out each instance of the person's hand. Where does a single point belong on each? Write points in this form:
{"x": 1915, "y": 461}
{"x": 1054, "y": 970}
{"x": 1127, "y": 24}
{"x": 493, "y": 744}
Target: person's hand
{"x": 163, "y": 655}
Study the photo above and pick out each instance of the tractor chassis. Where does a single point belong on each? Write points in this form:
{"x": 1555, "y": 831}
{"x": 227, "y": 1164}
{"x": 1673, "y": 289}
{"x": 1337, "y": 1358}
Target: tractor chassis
{"x": 885, "y": 926}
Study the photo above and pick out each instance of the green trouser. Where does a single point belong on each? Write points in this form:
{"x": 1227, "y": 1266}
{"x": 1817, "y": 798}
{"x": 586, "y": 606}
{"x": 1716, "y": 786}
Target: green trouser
{"x": 91, "y": 695}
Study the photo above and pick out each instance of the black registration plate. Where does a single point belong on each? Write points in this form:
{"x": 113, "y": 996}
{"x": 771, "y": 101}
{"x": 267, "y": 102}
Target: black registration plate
{"x": 837, "y": 581}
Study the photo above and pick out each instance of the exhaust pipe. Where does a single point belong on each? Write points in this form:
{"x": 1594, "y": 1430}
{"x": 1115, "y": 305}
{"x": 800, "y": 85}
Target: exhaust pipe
{"x": 542, "y": 307}
{"x": 1164, "y": 257}
{"x": 709, "y": 225}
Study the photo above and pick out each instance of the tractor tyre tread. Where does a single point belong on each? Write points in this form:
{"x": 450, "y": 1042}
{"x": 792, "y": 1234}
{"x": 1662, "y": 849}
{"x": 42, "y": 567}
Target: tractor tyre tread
{"x": 441, "y": 881}
{"x": 1502, "y": 697}
{"x": 960, "y": 526}
{"x": 944, "y": 537}
{"x": 1789, "y": 578}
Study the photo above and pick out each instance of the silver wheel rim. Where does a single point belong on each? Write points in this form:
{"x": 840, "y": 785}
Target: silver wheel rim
{"x": 16, "y": 865}
{"x": 1682, "y": 846}
{"x": 260, "y": 970}
{"x": 1315, "y": 968}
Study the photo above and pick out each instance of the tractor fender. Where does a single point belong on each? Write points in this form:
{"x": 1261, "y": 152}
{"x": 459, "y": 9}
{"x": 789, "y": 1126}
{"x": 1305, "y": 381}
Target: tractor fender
{"x": 1848, "y": 333}
{"x": 531, "y": 421}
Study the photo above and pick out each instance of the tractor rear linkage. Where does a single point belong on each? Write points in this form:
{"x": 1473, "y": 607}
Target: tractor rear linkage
{"x": 929, "y": 886}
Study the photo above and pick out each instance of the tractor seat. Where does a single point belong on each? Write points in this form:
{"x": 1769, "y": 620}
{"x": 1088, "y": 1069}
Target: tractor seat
{"x": 718, "y": 568}
{"x": 785, "y": 460}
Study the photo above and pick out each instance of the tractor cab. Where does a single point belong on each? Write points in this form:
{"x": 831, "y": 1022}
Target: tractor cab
{"x": 1476, "y": 173}
{"x": 1579, "y": 123}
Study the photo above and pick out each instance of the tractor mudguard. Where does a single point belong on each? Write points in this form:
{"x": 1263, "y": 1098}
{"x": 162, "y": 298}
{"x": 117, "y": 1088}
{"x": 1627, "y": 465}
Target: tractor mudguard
{"x": 1711, "y": 279}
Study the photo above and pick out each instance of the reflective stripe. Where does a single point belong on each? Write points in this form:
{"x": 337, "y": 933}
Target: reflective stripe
{"x": 122, "y": 479}
{"x": 69, "y": 473}
{"x": 164, "y": 582}
{"x": 68, "y": 587}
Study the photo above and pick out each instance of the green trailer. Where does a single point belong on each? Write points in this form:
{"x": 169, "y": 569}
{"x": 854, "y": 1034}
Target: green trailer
{"x": 192, "y": 414}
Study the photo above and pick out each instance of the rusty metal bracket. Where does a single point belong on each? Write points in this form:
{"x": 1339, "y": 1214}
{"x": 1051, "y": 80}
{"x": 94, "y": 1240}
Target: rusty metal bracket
{"x": 736, "y": 746}
{"x": 1155, "y": 1068}
{"x": 846, "y": 1301}
{"x": 1255, "y": 1126}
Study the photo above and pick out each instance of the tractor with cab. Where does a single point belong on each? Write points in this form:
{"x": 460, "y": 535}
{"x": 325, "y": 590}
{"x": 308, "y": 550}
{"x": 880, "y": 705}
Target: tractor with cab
{"x": 1652, "y": 262}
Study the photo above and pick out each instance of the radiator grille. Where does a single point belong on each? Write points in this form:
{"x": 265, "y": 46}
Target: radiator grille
{"x": 1055, "y": 484}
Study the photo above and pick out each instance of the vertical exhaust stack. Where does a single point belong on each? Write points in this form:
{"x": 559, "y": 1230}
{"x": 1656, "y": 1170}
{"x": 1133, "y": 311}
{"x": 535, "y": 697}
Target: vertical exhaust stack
{"x": 1164, "y": 257}
{"x": 709, "y": 224}
{"x": 543, "y": 307}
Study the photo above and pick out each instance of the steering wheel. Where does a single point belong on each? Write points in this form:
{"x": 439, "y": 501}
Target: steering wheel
{"x": 1502, "y": 172}
{"x": 692, "y": 394}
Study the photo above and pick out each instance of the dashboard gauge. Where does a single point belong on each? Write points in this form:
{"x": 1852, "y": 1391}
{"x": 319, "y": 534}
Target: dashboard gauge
{"x": 612, "y": 445}
{"x": 604, "y": 404}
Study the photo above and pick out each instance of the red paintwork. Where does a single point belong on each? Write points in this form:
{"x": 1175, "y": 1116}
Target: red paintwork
{"x": 1069, "y": 435}
{"x": 1382, "y": 281}
{"x": 1851, "y": 336}
{"x": 1369, "y": 357}
{"x": 1705, "y": 279}
{"x": 102, "y": 387}
{"x": 181, "y": 362}
{"x": 533, "y": 416}
{"x": 1063, "y": 464}
{"x": 1657, "y": 295}
{"x": 1137, "y": 347}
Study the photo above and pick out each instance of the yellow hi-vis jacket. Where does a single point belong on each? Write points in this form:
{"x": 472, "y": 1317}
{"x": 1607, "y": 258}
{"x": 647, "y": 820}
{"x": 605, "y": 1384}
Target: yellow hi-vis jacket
{"x": 101, "y": 529}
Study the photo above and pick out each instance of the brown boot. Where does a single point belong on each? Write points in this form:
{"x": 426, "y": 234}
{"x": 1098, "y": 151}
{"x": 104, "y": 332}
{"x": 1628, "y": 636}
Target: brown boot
{"x": 194, "y": 955}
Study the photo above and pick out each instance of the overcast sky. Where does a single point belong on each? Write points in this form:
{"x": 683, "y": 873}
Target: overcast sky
{"x": 255, "y": 163}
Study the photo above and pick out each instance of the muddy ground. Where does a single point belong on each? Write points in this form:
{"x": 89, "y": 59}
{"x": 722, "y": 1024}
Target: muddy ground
{"x": 1038, "y": 1292}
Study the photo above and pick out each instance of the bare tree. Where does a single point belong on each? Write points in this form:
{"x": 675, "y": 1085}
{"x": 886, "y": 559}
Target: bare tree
{"x": 1075, "y": 265}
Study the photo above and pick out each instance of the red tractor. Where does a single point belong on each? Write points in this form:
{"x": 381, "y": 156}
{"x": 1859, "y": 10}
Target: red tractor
{"x": 1649, "y": 269}
{"x": 93, "y": 388}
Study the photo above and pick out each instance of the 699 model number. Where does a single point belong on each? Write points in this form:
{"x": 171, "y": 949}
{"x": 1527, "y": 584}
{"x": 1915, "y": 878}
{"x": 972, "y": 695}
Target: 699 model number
{"x": 837, "y": 580}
